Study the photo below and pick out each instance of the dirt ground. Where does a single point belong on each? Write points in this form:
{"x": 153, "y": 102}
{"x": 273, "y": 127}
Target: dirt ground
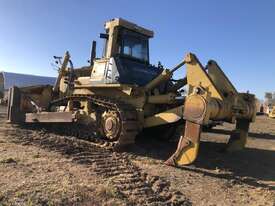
{"x": 42, "y": 168}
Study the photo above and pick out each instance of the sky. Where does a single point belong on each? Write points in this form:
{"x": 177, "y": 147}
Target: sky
{"x": 239, "y": 35}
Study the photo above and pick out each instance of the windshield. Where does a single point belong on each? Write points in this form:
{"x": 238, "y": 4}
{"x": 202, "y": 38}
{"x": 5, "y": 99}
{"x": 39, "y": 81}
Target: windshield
{"x": 134, "y": 45}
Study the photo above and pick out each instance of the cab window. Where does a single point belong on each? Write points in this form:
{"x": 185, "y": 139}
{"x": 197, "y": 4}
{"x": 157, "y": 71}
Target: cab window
{"x": 134, "y": 45}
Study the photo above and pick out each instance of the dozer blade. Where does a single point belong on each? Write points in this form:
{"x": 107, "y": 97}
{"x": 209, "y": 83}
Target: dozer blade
{"x": 238, "y": 137}
{"x": 14, "y": 103}
{"x": 188, "y": 146}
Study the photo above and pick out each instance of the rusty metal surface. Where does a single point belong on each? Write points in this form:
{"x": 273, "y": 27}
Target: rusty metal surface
{"x": 192, "y": 131}
{"x": 195, "y": 109}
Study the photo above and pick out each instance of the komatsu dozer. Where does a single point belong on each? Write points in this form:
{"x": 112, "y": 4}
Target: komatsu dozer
{"x": 122, "y": 94}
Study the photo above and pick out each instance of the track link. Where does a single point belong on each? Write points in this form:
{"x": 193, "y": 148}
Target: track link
{"x": 127, "y": 114}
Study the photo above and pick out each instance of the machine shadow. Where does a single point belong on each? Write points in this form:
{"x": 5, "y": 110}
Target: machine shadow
{"x": 261, "y": 135}
{"x": 250, "y": 134}
{"x": 250, "y": 166}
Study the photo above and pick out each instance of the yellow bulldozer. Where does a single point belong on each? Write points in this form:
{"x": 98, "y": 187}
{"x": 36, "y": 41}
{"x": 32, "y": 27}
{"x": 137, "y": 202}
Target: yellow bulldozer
{"x": 271, "y": 113}
{"x": 122, "y": 94}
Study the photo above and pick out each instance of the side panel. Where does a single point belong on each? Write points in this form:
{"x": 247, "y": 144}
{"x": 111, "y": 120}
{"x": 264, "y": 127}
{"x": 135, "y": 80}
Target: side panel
{"x": 98, "y": 71}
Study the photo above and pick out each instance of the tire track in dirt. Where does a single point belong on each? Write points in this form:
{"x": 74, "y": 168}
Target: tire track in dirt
{"x": 127, "y": 181}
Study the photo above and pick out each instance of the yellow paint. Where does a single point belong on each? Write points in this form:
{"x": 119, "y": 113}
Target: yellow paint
{"x": 188, "y": 155}
{"x": 272, "y": 113}
{"x": 169, "y": 116}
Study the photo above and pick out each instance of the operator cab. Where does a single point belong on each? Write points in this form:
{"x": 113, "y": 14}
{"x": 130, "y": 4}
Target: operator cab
{"x": 125, "y": 56}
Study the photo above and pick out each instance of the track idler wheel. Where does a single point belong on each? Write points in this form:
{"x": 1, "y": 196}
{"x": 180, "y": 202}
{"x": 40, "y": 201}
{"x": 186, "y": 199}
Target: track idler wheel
{"x": 188, "y": 146}
{"x": 111, "y": 125}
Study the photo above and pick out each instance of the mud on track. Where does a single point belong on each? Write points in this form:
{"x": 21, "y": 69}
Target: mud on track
{"x": 130, "y": 183}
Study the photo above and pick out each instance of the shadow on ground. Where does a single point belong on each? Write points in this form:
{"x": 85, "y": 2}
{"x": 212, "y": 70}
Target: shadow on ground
{"x": 250, "y": 134}
{"x": 262, "y": 135}
{"x": 250, "y": 166}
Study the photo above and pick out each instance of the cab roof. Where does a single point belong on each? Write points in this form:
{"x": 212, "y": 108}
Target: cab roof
{"x": 129, "y": 25}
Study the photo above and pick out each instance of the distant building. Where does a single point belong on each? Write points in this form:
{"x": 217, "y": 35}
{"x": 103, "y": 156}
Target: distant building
{"x": 9, "y": 79}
